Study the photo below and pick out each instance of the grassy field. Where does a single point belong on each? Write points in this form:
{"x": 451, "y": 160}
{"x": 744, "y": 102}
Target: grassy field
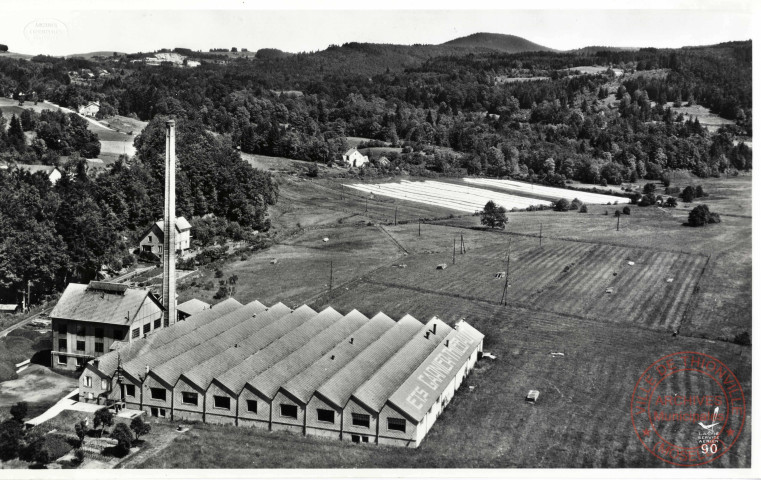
{"x": 581, "y": 420}
{"x": 556, "y": 303}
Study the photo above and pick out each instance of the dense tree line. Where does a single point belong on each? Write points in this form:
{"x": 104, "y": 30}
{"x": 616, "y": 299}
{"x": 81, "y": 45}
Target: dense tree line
{"x": 54, "y": 234}
{"x": 303, "y": 106}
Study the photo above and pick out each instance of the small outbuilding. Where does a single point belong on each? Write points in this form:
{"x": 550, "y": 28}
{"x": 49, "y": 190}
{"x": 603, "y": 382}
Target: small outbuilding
{"x": 532, "y": 396}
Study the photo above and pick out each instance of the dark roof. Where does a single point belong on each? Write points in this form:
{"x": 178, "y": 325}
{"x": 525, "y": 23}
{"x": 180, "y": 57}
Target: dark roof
{"x": 433, "y": 375}
{"x": 180, "y": 224}
{"x": 104, "y": 303}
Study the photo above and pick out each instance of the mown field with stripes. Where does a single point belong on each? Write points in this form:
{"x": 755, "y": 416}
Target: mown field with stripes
{"x": 563, "y": 277}
{"x": 556, "y": 303}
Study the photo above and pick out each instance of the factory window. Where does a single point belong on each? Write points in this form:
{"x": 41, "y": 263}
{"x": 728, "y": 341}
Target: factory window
{"x": 146, "y": 248}
{"x": 222, "y": 401}
{"x": 88, "y": 381}
{"x": 325, "y": 415}
{"x": 157, "y": 323}
{"x": 289, "y": 411}
{"x": 158, "y": 393}
{"x": 355, "y": 438}
{"x": 81, "y": 330}
{"x": 98, "y": 347}
{"x": 104, "y": 384}
{"x": 62, "y": 360}
{"x": 81, "y": 345}
{"x": 365, "y": 439}
{"x": 135, "y": 332}
{"x": 146, "y": 328}
{"x": 98, "y": 333}
{"x": 130, "y": 390}
{"x": 80, "y": 362}
{"x": 252, "y": 406}
{"x": 398, "y": 424}
{"x": 62, "y": 344}
{"x": 190, "y": 398}
{"x": 360, "y": 420}
{"x": 62, "y": 330}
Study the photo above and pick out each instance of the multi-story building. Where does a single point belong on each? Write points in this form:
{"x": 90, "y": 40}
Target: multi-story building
{"x": 90, "y": 320}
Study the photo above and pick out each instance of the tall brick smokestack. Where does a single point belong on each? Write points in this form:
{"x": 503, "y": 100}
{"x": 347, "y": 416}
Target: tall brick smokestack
{"x": 169, "y": 286}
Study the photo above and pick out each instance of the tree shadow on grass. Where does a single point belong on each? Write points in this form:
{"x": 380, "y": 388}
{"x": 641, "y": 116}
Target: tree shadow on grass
{"x": 115, "y": 452}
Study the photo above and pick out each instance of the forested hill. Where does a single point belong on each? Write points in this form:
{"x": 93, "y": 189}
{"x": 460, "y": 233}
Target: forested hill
{"x": 498, "y": 42}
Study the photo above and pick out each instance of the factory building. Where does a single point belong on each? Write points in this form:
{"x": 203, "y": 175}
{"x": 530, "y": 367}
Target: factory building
{"x": 347, "y": 377}
{"x": 342, "y": 376}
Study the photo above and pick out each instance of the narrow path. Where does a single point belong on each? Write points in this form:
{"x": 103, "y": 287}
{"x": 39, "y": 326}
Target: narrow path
{"x": 24, "y": 322}
{"x": 396, "y": 242}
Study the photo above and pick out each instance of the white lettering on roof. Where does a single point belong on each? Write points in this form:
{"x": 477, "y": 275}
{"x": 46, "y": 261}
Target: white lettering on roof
{"x": 438, "y": 368}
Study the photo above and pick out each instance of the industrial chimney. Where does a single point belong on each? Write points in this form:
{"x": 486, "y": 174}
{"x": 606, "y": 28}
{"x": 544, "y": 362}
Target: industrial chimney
{"x": 170, "y": 279}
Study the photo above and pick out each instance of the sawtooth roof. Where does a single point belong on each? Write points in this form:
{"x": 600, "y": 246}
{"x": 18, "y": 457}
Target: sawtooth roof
{"x": 303, "y": 385}
{"x": 434, "y": 374}
{"x": 107, "y": 363}
{"x": 269, "y": 381}
{"x": 156, "y": 357}
{"x": 388, "y": 378}
{"x": 339, "y": 388}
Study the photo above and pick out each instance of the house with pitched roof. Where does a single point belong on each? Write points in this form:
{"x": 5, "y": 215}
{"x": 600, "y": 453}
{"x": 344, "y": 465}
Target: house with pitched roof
{"x": 88, "y": 319}
{"x": 52, "y": 172}
{"x": 152, "y": 240}
{"x": 90, "y": 109}
{"x": 353, "y": 158}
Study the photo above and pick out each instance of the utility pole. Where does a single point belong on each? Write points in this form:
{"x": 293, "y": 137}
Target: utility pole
{"x": 366, "y": 198}
{"x": 28, "y": 295}
{"x": 507, "y": 276}
{"x": 418, "y": 227}
{"x": 330, "y": 287}
{"x": 395, "y": 209}
{"x": 454, "y": 248}
{"x": 540, "y": 234}
{"x": 618, "y": 221}
{"x": 462, "y": 244}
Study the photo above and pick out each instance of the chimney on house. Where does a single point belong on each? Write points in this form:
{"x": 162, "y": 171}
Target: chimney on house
{"x": 168, "y": 257}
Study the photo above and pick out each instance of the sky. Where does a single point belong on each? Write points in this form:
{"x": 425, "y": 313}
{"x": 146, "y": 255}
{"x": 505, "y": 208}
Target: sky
{"x": 44, "y": 27}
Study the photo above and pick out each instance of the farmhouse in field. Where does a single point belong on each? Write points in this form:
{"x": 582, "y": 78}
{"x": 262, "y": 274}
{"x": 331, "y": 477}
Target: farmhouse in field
{"x": 353, "y": 158}
{"x": 88, "y": 319}
{"x": 346, "y": 377}
{"x": 152, "y": 240}
{"x": 90, "y": 109}
{"x": 52, "y": 172}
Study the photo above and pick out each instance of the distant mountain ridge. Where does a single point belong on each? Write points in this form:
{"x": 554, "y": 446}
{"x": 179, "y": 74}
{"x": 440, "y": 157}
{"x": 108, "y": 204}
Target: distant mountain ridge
{"x": 499, "y": 42}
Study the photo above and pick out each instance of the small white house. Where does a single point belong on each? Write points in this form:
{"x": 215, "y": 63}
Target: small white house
{"x": 353, "y": 158}
{"x": 153, "y": 239}
{"x": 90, "y": 109}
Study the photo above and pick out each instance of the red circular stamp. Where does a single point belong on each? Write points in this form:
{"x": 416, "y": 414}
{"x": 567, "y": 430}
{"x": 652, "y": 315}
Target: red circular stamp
{"x": 688, "y": 409}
